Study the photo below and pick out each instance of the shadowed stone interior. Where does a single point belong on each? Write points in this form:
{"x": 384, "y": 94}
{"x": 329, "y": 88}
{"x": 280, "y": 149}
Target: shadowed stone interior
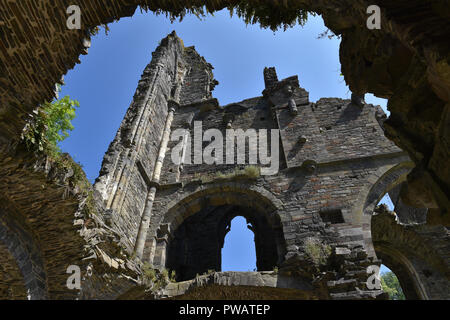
{"x": 197, "y": 243}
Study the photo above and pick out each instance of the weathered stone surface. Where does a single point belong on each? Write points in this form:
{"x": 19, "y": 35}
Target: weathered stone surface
{"x": 46, "y": 225}
{"x": 418, "y": 254}
{"x": 336, "y": 165}
{"x": 233, "y": 285}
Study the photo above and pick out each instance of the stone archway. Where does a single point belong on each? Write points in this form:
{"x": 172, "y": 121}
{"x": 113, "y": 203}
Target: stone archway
{"x": 12, "y": 286}
{"x": 412, "y": 253}
{"x": 195, "y": 247}
{"x": 408, "y": 250}
{"x": 403, "y": 269}
{"x": 22, "y": 270}
{"x": 234, "y": 192}
{"x": 194, "y": 228}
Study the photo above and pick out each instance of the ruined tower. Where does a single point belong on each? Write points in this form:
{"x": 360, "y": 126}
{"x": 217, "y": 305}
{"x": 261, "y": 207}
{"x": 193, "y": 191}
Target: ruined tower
{"x": 311, "y": 220}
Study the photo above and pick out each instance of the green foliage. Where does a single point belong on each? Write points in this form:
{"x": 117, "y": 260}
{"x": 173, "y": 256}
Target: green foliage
{"x": 148, "y": 272}
{"x": 249, "y": 172}
{"x": 173, "y": 276}
{"x": 51, "y": 125}
{"x": 154, "y": 278}
{"x": 59, "y": 114}
{"x": 391, "y": 285}
{"x": 252, "y": 171}
{"x": 317, "y": 251}
{"x": 165, "y": 274}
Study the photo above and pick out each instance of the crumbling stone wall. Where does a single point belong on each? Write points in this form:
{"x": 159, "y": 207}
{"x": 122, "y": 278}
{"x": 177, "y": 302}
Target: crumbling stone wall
{"x": 11, "y": 280}
{"x": 415, "y": 253}
{"x": 48, "y": 221}
{"x": 336, "y": 164}
{"x": 22, "y": 252}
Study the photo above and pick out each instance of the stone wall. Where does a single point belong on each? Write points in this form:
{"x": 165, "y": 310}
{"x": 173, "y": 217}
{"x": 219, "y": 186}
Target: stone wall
{"x": 48, "y": 222}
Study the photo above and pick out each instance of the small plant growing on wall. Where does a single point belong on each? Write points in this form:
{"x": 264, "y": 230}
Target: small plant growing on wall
{"x": 148, "y": 273}
{"x": 251, "y": 172}
{"x": 317, "y": 251}
{"x": 173, "y": 276}
{"x": 156, "y": 279}
{"x": 50, "y": 126}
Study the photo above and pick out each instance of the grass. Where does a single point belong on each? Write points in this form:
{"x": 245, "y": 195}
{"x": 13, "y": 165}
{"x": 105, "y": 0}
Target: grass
{"x": 317, "y": 251}
{"x": 249, "y": 172}
{"x": 252, "y": 172}
{"x": 154, "y": 278}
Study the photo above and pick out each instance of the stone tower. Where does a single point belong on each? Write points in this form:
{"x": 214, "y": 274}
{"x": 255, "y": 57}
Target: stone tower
{"x": 312, "y": 219}
{"x": 176, "y": 76}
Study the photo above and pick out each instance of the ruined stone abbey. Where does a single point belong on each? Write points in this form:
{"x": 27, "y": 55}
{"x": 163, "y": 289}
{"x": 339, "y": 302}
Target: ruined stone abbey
{"x": 317, "y": 228}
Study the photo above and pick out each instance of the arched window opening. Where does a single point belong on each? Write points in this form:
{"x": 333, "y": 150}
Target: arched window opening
{"x": 390, "y": 284}
{"x": 238, "y": 252}
{"x": 389, "y": 280}
{"x": 195, "y": 247}
{"x": 387, "y": 201}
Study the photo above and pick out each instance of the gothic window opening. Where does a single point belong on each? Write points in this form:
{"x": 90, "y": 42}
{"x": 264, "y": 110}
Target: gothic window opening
{"x": 242, "y": 237}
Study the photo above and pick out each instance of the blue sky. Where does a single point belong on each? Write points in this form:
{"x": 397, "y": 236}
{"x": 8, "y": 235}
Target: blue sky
{"x": 105, "y": 81}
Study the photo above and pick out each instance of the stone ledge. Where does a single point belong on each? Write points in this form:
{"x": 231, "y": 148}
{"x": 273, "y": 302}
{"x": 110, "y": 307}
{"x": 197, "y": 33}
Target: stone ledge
{"x": 231, "y": 278}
